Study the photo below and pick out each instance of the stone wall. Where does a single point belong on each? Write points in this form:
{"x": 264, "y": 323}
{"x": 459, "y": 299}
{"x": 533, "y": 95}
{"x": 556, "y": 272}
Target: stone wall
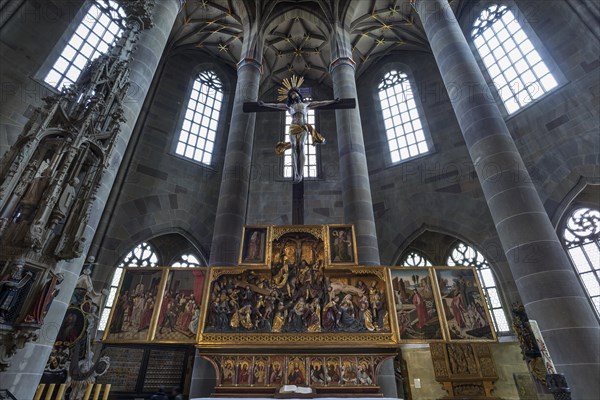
{"x": 160, "y": 192}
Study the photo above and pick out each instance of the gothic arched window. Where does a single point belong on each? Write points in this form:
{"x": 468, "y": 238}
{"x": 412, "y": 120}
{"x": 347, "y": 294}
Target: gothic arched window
{"x": 403, "y": 128}
{"x": 515, "y": 66}
{"x": 415, "y": 259}
{"x": 143, "y": 255}
{"x": 94, "y": 35}
{"x": 582, "y": 239}
{"x": 311, "y": 169}
{"x": 199, "y": 127}
{"x": 465, "y": 256}
{"x": 186, "y": 261}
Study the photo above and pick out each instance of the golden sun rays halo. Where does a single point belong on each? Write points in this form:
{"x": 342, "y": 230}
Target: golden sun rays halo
{"x": 288, "y": 84}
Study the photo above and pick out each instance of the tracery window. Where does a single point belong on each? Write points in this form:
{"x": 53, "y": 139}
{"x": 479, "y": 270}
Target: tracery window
{"x": 99, "y": 28}
{"x": 199, "y": 128}
{"x": 415, "y": 259}
{"x": 143, "y": 255}
{"x": 310, "y": 152}
{"x": 582, "y": 239}
{"x": 515, "y": 66}
{"x": 186, "y": 261}
{"x": 403, "y": 128}
{"x": 466, "y": 256}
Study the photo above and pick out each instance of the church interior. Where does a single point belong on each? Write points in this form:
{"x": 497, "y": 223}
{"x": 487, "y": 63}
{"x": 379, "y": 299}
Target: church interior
{"x": 299, "y": 199}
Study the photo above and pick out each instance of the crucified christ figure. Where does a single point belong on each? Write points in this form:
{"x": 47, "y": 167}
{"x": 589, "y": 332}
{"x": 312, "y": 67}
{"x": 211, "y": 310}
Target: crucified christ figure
{"x": 298, "y": 108}
{"x": 299, "y": 128}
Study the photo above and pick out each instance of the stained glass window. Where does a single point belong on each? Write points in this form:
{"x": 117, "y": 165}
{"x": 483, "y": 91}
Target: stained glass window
{"x": 415, "y": 259}
{"x": 199, "y": 127}
{"x": 582, "y": 239}
{"x": 403, "y": 128}
{"x": 97, "y": 31}
{"x": 515, "y": 66}
{"x": 186, "y": 261}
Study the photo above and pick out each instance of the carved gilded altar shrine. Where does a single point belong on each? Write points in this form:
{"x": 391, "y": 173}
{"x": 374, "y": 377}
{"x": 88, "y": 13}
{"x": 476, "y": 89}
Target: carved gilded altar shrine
{"x": 299, "y": 310}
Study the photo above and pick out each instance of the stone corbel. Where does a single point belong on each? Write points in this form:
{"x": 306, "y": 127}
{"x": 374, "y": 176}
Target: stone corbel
{"x": 12, "y": 340}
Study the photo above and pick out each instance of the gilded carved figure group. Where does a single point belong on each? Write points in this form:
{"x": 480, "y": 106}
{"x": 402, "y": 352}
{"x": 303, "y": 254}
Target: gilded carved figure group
{"x": 296, "y": 297}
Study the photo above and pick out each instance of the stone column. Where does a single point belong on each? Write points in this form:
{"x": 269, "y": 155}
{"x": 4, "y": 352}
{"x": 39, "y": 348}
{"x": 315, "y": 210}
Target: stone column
{"x": 356, "y": 189}
{"x": 27, "y": 365}
{"x": 546, "y": 281}
{"x": 233, "y": 196}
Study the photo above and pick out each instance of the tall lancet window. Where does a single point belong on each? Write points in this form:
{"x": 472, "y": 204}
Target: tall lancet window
{"x": 465, "y": 256}
{"x": 515, "y": 66}
{"x": 403, "y": 128}
{"x": 311, "y": 167}
{"x": 582, "y": 239}
{"x": 143, "y": 255}
{"x": 199, "y": 127}
{"x": 94, "y": 35}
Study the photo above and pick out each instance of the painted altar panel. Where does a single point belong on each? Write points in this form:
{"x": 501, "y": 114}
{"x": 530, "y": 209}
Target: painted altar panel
{"x": 133, "y": 315}
{"x": 254, "y": 246}
{"x": 463, "y": 306}
{"x": 341, "y": 241}
{"x": 273, "y": 370}
{"x": 179, "y": 308}
{"x": 416, "y": 305}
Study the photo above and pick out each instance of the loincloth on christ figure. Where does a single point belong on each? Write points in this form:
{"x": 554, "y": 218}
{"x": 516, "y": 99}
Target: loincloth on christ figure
{"x": 297, "y": 131}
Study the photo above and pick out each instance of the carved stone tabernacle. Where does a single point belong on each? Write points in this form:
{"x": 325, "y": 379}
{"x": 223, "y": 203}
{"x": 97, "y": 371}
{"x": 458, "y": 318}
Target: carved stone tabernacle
{"x": 49, "y": 181}
{"x": 465, "y": 370}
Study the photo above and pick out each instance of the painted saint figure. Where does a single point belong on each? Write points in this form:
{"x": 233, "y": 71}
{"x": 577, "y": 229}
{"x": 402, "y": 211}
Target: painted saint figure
{"x": 421, "y": 308}
{"x": 296, "y": 377}
{"x": 254, "y": 246}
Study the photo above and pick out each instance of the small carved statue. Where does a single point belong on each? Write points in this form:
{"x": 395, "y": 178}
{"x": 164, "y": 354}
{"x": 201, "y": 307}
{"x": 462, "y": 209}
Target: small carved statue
{"x": 84, "y": 288}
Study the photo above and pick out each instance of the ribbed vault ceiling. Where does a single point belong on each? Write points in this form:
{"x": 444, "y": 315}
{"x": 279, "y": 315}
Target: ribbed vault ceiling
{"x": 297, "y": 32}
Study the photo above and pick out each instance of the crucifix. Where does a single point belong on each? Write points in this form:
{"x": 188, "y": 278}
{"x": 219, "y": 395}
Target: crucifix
{"x": 291, "y": 100}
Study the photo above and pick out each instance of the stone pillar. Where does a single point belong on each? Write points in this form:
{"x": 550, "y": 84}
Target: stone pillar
{"x": 27, "y": 365}
{"x": 233, "y": 196}
{"x": 356, "y": 189}
{"x": 546, "y": 281}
